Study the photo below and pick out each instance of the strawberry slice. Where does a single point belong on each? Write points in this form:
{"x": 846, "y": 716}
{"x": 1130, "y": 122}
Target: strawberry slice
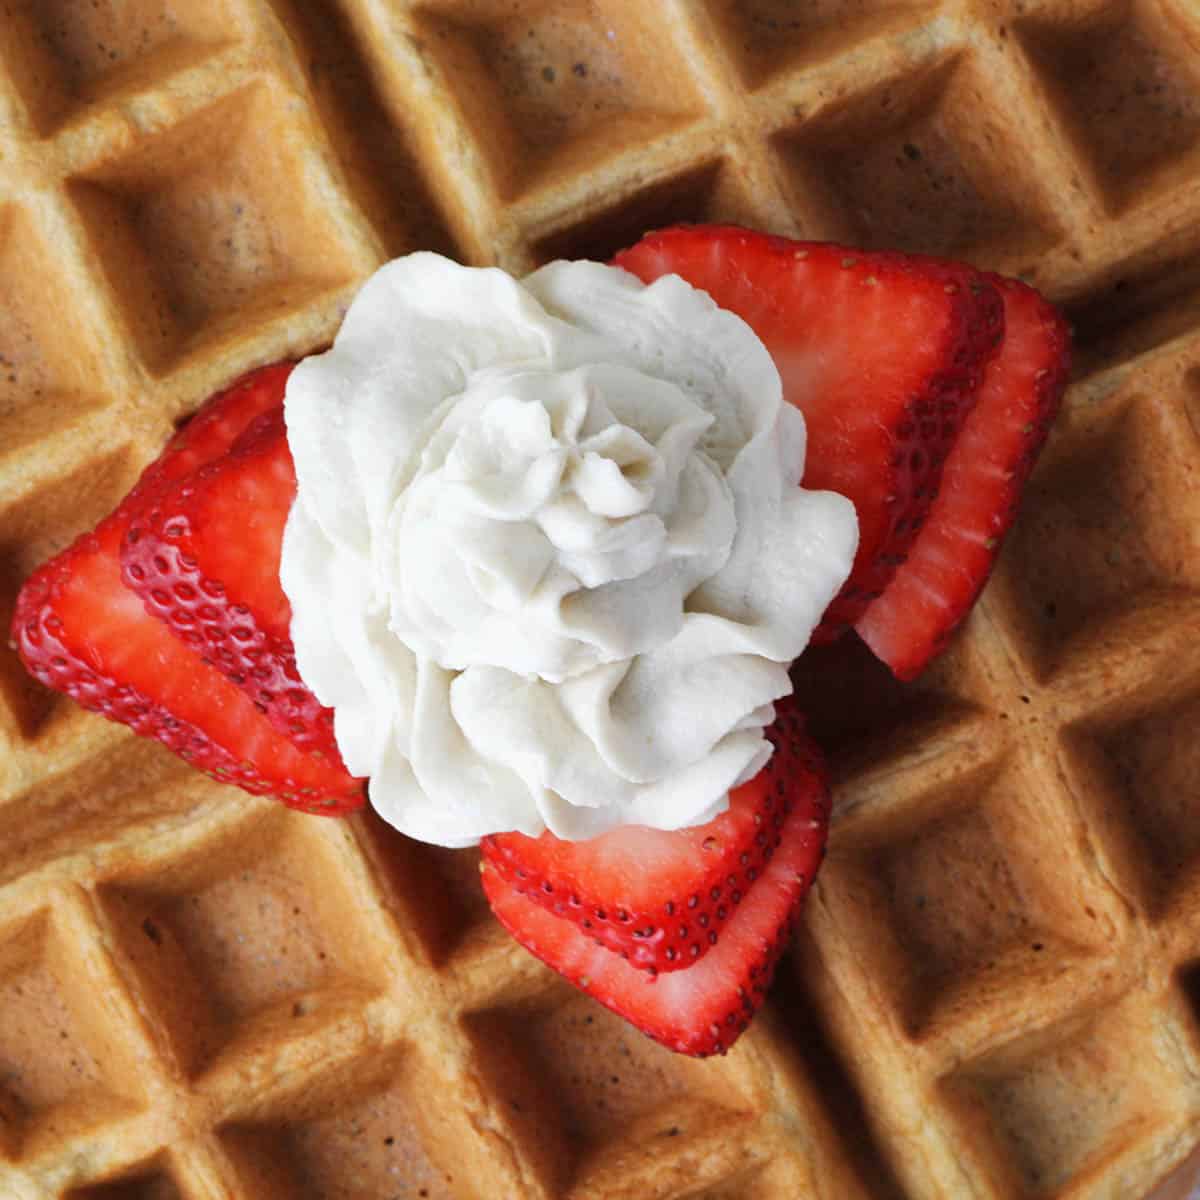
{"x": 981, "y": 487}
{"x": 882, "y": 352}
{"x": 204, "y": 558}
{"x": 81, "y": 631}
{"x": 703, "y": 1008}
{"x": 210, "y": 433}
{"x": 659, "y": 898}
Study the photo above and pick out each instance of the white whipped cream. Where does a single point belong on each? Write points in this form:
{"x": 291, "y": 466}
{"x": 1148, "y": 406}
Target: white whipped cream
{"x": 549, "y": 558}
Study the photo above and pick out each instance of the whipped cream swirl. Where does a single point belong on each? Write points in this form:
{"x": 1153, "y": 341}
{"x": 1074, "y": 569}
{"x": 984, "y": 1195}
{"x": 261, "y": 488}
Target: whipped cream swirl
{"x": 549, "y": 558}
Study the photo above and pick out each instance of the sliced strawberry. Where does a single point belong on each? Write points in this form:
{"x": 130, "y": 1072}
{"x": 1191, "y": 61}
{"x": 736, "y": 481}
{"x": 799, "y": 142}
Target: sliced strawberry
{"x": 659, "y": 898}
{"x": 882, "y": 352}
{"x": 204, "y": 557}
{"x": 81, "y": 631}
{"x": 218, "y": 424}
{"x": 981, "y": 487}
{"x": 702, "y": 1009}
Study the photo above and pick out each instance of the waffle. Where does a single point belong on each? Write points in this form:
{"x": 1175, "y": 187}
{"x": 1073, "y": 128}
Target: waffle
{"x": 996, "y": 989}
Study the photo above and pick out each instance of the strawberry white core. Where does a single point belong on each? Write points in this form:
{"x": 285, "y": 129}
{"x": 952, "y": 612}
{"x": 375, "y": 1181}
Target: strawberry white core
{"x": 549, "y": 558}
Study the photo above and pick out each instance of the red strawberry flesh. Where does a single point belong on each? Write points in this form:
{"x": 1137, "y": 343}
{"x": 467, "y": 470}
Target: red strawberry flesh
{"x": 882, "y": 352}
{"x": 204, "y": 557}
{"x": 82, "y": 632}
{"x": 981, "y": 486}
{"x": 215, "y": 428}
{"x": 702, "y": 1009}
{"x": 661, "y": 897}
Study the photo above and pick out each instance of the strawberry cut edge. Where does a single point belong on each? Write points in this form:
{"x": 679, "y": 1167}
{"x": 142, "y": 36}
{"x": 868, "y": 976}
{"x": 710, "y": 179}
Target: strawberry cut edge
{"x": 660, "y": 897}
{"x": 703, "y": 1009}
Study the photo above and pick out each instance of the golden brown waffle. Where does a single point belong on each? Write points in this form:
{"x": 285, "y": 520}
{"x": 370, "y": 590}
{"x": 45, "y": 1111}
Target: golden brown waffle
{"x": 997, "y": 990}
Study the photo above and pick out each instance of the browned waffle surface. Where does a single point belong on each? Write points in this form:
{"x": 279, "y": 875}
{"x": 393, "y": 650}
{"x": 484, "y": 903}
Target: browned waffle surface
{"x": 997, "y": 990}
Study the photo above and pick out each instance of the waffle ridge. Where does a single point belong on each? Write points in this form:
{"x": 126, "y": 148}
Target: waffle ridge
{"x": 995, "y": 988}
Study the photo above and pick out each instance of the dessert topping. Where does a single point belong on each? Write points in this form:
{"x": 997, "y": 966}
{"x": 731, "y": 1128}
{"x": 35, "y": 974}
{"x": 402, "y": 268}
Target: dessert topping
{"x": 549, "y": 558}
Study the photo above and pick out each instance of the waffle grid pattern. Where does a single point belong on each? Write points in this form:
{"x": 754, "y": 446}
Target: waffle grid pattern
{"x": 997, "y": 990}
